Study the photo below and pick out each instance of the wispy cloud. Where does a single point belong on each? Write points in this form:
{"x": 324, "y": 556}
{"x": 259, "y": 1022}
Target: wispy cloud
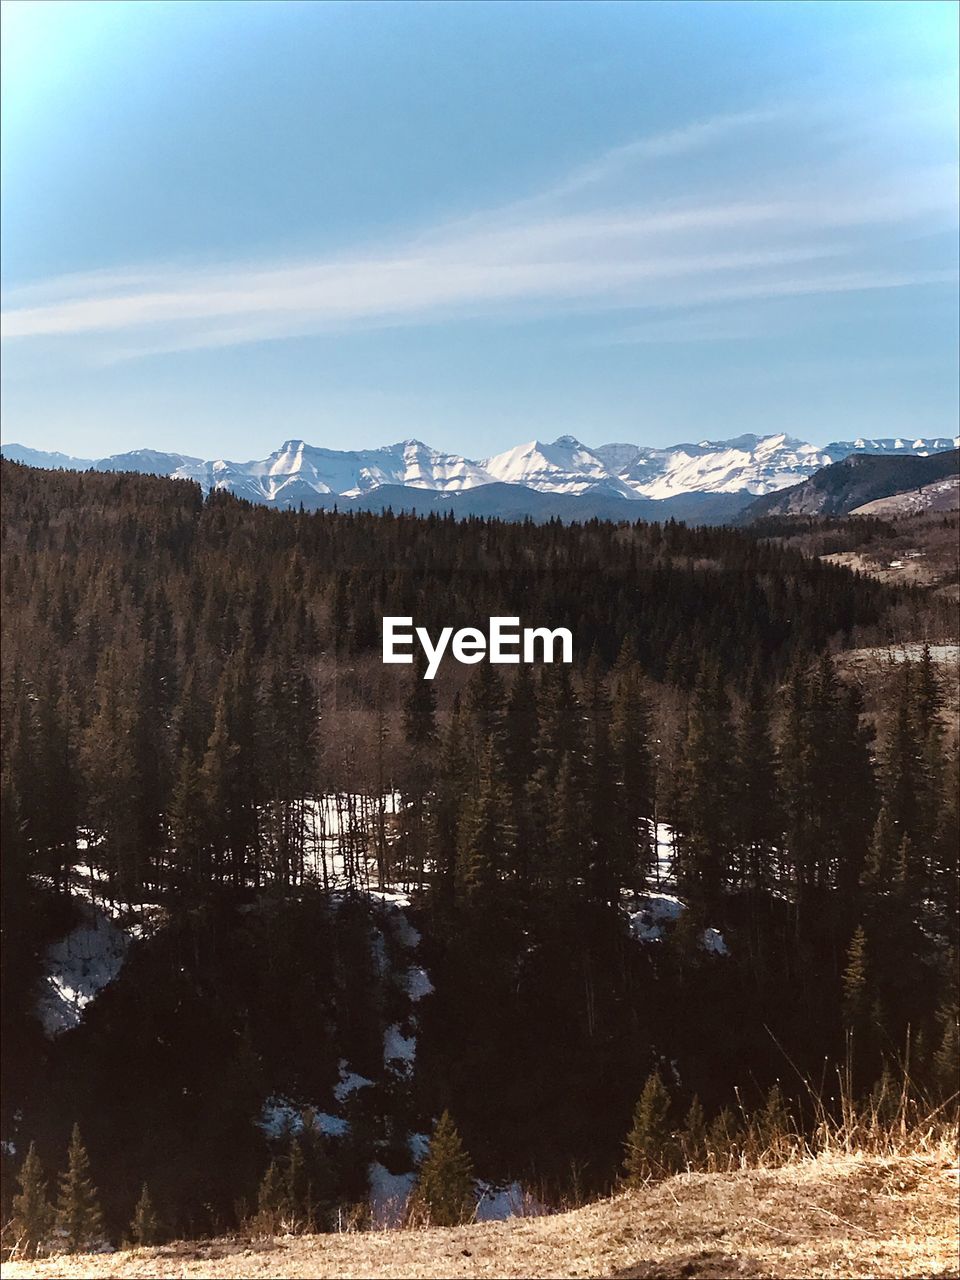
{"x": 829, "y": 229}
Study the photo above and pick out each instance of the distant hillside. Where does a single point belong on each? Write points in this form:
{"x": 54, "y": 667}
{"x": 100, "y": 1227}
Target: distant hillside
{"x": 942, "y": 495}
{"x": 516, "y": 502}
{"x": 859, "y": 479}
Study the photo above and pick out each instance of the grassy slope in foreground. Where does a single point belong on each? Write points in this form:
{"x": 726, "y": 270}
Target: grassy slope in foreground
{"x": 833, "y": 1216}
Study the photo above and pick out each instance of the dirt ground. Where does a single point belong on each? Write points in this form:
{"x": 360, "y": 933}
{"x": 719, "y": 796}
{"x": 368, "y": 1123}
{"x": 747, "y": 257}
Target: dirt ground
{"x": 836, "y": 1216}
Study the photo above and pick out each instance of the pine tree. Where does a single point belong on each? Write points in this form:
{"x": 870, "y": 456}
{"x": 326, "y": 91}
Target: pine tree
{"x": 612, "y": 848}
{"x": 649, "y": 1153}
{"x": 632, "y": 734}
{"x": 567, "y": 827}
{"x": 756, "y": 813}
{"x": 78, "y": 1210}
{"x": 880, "y": 866}
{"x": 447, "y": 811}
{"x": 295, "y": 1179}
{"x": 144, "y": 1227}
{"x": 774, "y": 1125}
{"x": 856, "y": 996}
{"x": 723, "y": 1141}
{"x": 271, "y": 1198}
{"x": 694, "y": 1137}
{"x": 420, "y": 738}
{"x": 32, "y": 1212}
{"x": 707, "y": 793}
{"x": 946, "y": 1062}
{"x": 486, "y": 835}
{"x": 445, "y": 1187}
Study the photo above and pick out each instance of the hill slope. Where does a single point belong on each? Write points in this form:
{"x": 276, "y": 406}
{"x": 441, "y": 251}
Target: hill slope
{"x": 859, "y": 479}
{"x": 942, "y": 495}
{"x": 850, "y": 1216}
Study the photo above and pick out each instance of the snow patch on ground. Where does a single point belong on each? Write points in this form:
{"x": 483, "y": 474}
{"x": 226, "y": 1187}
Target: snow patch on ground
{"x": 496, "y": 1204}
{"x": 389, "y": 1195}
{"x": 77, "y": 968}
{"x": 398, "y": 1048}
{"x": 712, "y": 940}
{"x": 419, "y": 1145}
{"x": 280, "y": 1116}
{"x": 349, "y": 1082}
{"x": 649, "y": 914}
{"x": 417, "y": 983}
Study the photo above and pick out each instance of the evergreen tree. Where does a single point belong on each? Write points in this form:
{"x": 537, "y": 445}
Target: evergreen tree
{"x": 486, "y": 835}
{"x": 775, "y": 1130}
{"x": 756, "y": 812}
{"x": 567, "y": 852}
{"x": 632, "y": 736}
{"x": 610, "y": 852}
{"x": 856, "y": 994}
{"x": 145, "y": 1227}
{"x": 420, "y": 738}
{"x": 880, "y": 867}
{"x": 296, "y": 1181}
{"x": 445, "y": 1185}
{"x": 271, "y": 1198}
{"x": 648, "y": 1145}
{"x": 705, "y": 818}
{"x": 694, "y": 1137}
{"x": 32, "y": 1212}
{"x": 723, "y": 1141}
{"x": 946, "y": 1062}
{"x": 78, "y": 1210}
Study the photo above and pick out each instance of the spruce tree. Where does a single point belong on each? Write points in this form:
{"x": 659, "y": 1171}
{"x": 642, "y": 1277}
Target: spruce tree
{"x": 445, "y": 1187}
{"x": 880, "y": 866}
{"x": 706, "y": 798}
{"x": 856, "y": 996}
{"x": 296, "y": 1181}
{"x": 648, "y": 1144}
{"x": 946, "y": 1061}
{"x": 486, "y": 835}
{"x": 756, "y": 815}
{"x": 694, "y": 1137}
{"x": 632, "y": 734}
{"x": 78, "y": 1210}
{"x": 774, "y": 1125}
{"x": 144, "y": 1227}
{"x": 271, "y": 1198}
{"x": 416, "y": 782}
{"x": 32, "y": 1212}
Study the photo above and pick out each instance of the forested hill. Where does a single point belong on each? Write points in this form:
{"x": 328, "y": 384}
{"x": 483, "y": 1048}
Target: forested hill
{"x": 118, "y": 549}
{"x": 691, "y": 855}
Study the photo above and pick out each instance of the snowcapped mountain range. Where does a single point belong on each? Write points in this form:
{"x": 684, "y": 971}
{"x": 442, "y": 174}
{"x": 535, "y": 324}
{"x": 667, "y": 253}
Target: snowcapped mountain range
{"x": 298, "y": 472}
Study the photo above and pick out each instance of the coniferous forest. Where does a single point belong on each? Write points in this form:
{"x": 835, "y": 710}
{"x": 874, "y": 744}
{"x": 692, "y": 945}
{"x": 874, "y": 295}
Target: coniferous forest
{"x": 681, "y": 877}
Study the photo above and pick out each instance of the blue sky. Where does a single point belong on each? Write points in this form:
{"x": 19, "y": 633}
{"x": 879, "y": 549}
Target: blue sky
{"x": 225, "y": 225}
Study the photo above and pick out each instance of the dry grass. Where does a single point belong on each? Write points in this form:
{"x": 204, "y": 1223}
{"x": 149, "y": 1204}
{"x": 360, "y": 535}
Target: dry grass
{"x": 836, "y": 1215}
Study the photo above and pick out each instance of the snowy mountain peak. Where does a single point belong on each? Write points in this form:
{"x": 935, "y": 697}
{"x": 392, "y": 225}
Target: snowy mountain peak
{"x": 299, "y": 472}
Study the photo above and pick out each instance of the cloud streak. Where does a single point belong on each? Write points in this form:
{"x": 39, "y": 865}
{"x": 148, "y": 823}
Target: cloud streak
{"x": 836, "y": 230}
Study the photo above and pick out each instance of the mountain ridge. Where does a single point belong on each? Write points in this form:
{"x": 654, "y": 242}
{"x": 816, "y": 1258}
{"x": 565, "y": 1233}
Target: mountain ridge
{"x": 612, "y": 481}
